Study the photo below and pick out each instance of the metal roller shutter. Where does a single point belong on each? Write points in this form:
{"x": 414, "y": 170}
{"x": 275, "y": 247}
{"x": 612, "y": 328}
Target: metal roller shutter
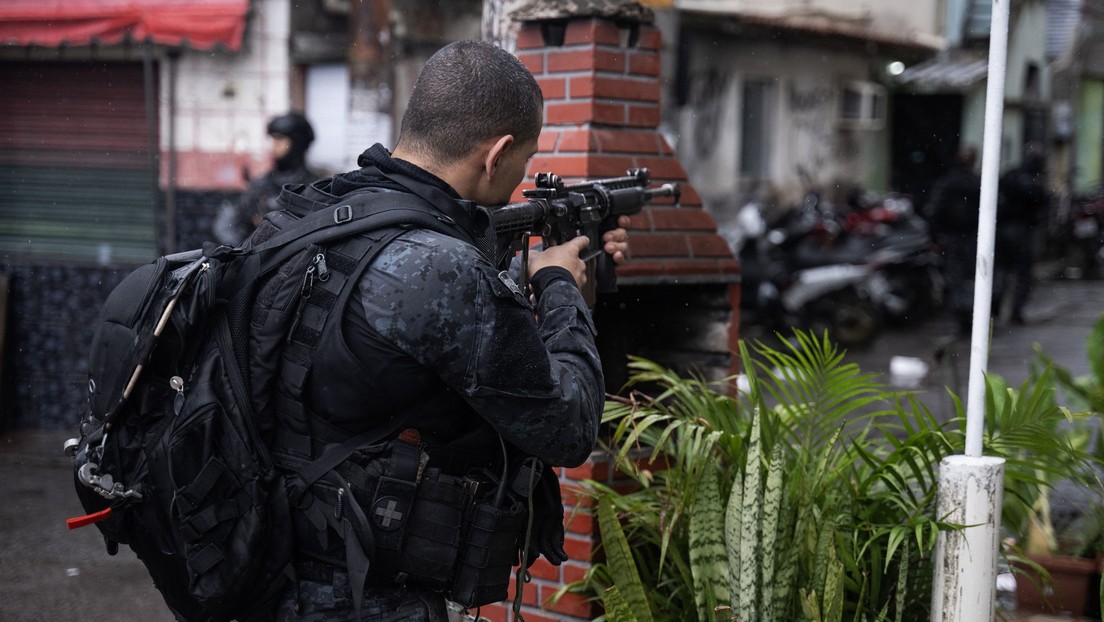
{"x": 76, "y": 179}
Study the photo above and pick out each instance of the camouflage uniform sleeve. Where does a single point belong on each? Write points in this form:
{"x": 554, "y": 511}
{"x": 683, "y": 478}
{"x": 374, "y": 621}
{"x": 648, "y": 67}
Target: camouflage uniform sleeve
{"x": 533, "y": 374}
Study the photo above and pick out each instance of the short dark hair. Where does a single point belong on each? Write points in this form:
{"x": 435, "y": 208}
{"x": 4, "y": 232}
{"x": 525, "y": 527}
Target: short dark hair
{"x": 468, "y": 92}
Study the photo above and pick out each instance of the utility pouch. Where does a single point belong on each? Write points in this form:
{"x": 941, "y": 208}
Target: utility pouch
{"x": 431, "y": 543}
{"x": 391, "y": 510}
{"x": 490, "y": 552}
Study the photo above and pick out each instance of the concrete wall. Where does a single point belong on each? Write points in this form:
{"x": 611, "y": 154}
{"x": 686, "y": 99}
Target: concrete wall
{"x": 1026, "y": 46}
{"x": 806, "y": 143}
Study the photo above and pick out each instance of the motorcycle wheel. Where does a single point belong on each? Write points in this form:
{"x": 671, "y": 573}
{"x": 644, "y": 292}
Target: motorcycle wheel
{"x": 849, "y": 319}
{"x": 916, "y": 296}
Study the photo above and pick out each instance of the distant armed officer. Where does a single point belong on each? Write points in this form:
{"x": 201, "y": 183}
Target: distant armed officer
{"x": 290, "y": 135}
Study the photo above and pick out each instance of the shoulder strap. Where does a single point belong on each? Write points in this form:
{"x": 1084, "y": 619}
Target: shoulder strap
{"x": 347, "y": 259}
{"x": 356, "y": 213}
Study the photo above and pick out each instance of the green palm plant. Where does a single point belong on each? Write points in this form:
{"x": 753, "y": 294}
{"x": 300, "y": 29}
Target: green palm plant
{"x": 774, "y": 466}
{"x": 809, "y": 495}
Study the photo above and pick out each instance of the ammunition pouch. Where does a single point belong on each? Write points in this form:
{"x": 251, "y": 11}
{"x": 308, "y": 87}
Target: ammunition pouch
{"x": 459, "y": 535}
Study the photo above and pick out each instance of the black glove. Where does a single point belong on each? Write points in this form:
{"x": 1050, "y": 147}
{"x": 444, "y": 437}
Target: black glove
{"x": 548, "y": 530}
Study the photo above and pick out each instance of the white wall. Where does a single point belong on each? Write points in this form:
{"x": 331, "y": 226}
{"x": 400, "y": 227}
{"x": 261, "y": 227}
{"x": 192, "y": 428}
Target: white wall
{"x": 917, "y": 20}
{"x": 224, "y": 101}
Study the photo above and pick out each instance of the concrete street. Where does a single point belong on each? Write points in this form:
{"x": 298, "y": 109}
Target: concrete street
{"x": 50, "y": 574}
{"x": 1058, "y": 320}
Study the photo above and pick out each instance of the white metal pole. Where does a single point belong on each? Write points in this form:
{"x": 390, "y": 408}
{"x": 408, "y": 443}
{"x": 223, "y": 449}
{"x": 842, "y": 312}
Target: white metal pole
{"x": 971, "y": 491}
{"x": 971, "y": 487}
{"x": 987, "y": 219}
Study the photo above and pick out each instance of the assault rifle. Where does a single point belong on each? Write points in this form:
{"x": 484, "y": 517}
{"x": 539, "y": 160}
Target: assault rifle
{"x": 559, "y": 212}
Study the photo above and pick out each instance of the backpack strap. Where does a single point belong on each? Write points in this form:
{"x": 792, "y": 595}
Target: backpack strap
{"x": 348, "y": 238}
{"x": 357, "y": 212}
{"x": 329, "y": 283}
{"x": 345, "y": 262}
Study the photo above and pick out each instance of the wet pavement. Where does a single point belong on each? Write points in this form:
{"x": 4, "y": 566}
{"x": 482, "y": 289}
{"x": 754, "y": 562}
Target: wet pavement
{"x": 51, "y": 574}
{"x": 1058, "y": 321}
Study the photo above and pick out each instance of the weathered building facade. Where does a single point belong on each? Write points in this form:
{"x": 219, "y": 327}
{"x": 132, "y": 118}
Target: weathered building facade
{"x": 772, "y": 100}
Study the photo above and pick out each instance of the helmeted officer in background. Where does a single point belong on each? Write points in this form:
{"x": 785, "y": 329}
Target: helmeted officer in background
{"x": 290, "y": 135}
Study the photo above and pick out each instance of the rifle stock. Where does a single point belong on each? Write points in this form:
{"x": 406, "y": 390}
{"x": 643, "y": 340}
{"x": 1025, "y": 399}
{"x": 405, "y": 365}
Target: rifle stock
{"x": 558, "y": 212}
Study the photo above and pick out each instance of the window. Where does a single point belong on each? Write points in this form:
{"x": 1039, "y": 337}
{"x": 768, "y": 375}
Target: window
{"x": 862, "y": 105}
{"x": 755, "y": 127}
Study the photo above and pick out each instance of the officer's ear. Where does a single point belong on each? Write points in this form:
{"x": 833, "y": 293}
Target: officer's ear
{"x": 495, "y": 153}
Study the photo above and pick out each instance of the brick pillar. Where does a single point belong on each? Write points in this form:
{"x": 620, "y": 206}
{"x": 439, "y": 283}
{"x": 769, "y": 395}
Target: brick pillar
{"x": 601, "y": 89}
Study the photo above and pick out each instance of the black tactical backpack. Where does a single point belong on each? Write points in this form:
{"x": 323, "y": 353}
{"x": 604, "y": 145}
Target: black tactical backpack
{"x": 172, "y": 456}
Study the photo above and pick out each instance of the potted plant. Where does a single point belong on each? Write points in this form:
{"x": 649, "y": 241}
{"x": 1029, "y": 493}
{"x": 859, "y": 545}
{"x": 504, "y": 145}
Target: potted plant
{"x": 1055, "y": 574}
{"x": 841, "y": 470}
{"x": 1057, "y": 565}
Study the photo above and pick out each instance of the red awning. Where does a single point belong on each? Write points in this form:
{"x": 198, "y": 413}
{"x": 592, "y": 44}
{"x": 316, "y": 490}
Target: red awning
{"x": 198, "y": 24}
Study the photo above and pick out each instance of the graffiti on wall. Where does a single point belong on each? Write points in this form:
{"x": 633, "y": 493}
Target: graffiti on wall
{"x": 707, "y": 91}
{"x": 810, "y": 126}
{"x": 819, "y": 148}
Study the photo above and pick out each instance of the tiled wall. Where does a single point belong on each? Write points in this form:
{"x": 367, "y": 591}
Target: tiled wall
{"x": 52, "y": 312}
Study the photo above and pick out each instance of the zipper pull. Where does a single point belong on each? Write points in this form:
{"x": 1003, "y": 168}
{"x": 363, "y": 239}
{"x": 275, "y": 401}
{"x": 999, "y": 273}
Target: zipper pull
{"x": 316, "y": 270}
{"x": 339, "y": 506}
{"x": 177, "y": 384}
{"x": 308, "y": 282}
{"x": 323, "y": 269}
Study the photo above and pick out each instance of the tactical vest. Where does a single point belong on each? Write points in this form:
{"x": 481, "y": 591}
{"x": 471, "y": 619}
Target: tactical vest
{"x": 380, "y": 513}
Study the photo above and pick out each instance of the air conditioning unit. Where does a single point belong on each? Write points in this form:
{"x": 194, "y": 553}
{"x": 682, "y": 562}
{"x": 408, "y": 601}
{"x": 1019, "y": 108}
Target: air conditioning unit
{"x": 862, "y": 105}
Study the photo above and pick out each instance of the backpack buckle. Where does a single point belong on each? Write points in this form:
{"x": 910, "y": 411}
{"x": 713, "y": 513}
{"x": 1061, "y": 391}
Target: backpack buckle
{"x": 343, "y": 213}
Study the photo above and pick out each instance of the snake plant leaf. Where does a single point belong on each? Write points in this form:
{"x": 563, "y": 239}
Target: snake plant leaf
{"x": 617, "y": 610}
{"x": 733, "y": 532}
{"x": 825, "y": 552}
{"x": 708, "y": 558}
{"x": 750, "y": 551}
{"x": 771, "y": 523}
{"x": 785, "y": 574}
{"x": 833, "y": 592}
{"x": 902, "y": 584}
{"x": 620, "y": 561}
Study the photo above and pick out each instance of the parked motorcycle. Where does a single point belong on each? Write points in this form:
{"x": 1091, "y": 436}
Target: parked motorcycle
{"x": 839, "y": 298}
{"x": 882, "y": 231}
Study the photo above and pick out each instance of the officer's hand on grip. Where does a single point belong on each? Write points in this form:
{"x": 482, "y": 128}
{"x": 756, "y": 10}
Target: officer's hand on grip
{"x": 564, "y": 255}
{"x": 616, "y": 241}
